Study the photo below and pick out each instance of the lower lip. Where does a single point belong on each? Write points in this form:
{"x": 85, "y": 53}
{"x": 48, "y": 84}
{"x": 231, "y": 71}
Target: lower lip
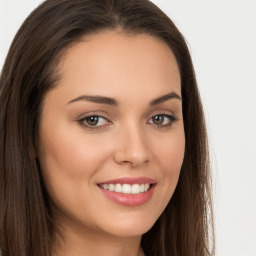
{"x": 129, "y": 199}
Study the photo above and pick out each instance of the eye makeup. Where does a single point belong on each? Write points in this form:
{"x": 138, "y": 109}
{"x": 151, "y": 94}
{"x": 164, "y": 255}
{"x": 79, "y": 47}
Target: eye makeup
{"x": 94, "y": 121}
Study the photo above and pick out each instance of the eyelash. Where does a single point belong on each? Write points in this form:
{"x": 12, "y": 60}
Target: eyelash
{"x": 84, "y": 121}
{"x": 171, "y": 120}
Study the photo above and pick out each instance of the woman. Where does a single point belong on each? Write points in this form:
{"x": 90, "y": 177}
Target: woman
{"x": 103, "y": 142}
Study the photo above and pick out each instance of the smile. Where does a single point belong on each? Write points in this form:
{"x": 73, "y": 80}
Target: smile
{"x": 126, "y": 188}
{"x": 129, "y": 191}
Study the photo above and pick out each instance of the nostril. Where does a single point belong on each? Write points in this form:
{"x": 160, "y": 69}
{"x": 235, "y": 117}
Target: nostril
{"x": 131, "y": 149}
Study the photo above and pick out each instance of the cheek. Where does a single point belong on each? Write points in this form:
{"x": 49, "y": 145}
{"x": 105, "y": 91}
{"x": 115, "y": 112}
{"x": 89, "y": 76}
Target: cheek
{"x": 69, "y": 162}
{"x": 170, "y": 153}
{"x": 71, "y": 152}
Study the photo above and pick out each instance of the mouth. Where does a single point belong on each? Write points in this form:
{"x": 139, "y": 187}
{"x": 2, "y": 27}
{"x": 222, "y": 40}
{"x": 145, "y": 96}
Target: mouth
{"x": 129, "y": 191}
{"x": 127, "y": 188}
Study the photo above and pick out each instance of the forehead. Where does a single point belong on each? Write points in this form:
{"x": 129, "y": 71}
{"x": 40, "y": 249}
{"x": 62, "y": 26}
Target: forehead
{"x": 116, "y": 60}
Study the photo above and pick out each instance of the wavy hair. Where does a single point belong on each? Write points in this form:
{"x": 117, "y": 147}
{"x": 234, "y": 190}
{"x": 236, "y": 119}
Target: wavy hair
{"x": 185, "y": 228}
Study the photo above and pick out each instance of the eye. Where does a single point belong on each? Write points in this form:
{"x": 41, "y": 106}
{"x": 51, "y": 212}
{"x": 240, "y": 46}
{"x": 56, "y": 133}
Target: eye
{"x": 162, "y": 120}
{"x": 93, "y": 121}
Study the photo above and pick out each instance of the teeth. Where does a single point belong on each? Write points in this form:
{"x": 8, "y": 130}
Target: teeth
{"x": 135, "y": 189}
{"x": 126, "y": 188}
{"x": 105, "y": 186}
{"x": 111, "y": 187}
{"x": 118, "y": 188}
{"x": 146, "y": 187}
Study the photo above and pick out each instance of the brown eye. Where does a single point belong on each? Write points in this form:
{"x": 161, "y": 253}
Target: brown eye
{"x": 93, "y": 121}
{"x": 158, "y": 119}
{"x": 162, "y": 120}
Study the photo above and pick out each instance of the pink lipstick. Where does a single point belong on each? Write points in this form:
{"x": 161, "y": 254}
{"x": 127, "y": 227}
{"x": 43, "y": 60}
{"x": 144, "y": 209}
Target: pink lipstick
{"x": 129, "y": 191}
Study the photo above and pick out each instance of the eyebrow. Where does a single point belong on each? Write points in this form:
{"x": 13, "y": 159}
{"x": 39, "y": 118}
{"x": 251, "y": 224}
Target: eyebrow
{"x": 96, "y": 99}
{"x": 172, "y": 95}
{"x": 113, "y": 102}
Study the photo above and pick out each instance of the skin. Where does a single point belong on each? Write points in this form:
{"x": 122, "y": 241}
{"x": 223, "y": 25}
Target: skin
{"x": 134, "y": 70}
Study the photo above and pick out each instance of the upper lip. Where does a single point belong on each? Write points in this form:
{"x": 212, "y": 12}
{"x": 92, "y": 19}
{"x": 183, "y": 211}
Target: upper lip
{"x": 130, "y": 180}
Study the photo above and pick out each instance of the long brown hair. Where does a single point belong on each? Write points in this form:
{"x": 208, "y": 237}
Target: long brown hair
{"x": 185, "y": 228}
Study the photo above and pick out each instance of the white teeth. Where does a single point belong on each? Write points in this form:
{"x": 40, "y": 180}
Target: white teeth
{"x": 135, "y": 189}
{"x": 146, "y": 187}
{"x": 105, "y": 186}
{"x": 126, "y": 188}
{"x": 118, "y": 188}
{"x": 111, "y": 187}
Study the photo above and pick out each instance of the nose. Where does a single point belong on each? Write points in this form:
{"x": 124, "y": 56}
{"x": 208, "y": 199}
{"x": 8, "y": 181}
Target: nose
{"x": 133, "y": 149}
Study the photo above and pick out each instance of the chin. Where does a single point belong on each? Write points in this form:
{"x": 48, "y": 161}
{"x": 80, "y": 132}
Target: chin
{"x": 130, "y": 228}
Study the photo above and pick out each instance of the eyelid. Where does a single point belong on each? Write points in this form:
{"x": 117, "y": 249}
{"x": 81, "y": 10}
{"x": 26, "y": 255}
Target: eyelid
{"x": 82, "y": 121}
{"x": 173, "y": 118}
{"x": 85, "y": 114}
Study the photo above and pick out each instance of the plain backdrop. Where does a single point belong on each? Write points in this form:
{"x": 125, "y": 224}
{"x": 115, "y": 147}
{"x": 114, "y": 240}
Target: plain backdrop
{"x": 221, "y": 35}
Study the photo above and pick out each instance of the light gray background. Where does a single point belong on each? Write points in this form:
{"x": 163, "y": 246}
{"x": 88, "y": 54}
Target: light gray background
{"x": 222, "y": 38}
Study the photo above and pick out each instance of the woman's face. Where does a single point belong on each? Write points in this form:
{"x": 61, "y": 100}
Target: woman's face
{"x": 111, "y": 128}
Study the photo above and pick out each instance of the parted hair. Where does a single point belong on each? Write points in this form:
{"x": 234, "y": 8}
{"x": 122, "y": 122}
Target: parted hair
{"x": 185, "y": 228}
